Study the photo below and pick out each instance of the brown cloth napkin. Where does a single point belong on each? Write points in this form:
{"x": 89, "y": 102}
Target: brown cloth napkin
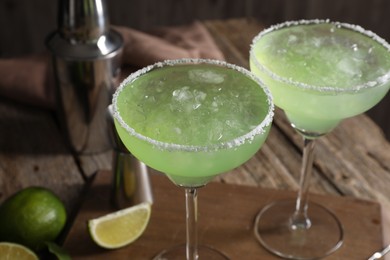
{"x": 189, "y": 41}
{"x": 30, "y": 79}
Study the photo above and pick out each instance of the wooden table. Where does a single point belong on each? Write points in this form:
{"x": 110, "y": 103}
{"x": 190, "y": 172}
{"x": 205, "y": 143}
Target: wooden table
{"x": 352, "y": 161}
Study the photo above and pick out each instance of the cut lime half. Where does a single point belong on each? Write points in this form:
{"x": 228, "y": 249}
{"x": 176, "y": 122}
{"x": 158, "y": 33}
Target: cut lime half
{"x": 13, "y": 251}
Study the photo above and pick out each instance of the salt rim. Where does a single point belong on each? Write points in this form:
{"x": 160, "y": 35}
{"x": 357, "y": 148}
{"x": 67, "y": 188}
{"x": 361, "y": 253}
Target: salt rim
{"x": 259, "y": 129}
{"x": 370, "y": 84}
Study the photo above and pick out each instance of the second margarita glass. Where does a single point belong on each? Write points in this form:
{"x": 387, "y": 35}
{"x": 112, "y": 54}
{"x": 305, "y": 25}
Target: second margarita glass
{"x": 319, "y": 72}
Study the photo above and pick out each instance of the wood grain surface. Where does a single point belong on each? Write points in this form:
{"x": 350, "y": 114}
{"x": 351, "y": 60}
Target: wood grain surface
{"x": 226, "y": 215}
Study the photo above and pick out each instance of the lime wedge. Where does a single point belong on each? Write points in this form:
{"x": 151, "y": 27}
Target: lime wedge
{"x": 12, "y": 251}
{"x": 120, "y": 228}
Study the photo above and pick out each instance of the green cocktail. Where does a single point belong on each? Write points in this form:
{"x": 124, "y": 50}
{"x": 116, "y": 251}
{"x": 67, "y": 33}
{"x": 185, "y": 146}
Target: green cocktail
{"x": 322, "y": 73}
{"x": 192, "y": 120}
{"x": 319, "y": 72}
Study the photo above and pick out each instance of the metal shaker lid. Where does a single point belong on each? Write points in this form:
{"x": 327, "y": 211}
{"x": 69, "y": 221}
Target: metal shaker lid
{"x": 84, "y": 31}
{"x": 83, "y": 21}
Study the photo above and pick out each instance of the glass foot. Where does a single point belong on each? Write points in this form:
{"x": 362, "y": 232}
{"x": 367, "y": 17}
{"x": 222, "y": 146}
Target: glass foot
{"x": 179, "y": 253}
{"x": 273, "y": 230}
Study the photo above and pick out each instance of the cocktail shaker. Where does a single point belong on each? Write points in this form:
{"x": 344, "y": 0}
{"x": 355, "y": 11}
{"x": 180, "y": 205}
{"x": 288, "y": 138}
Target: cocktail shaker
{"x": 131, "y": 183}
{"x": 86, "y": 59}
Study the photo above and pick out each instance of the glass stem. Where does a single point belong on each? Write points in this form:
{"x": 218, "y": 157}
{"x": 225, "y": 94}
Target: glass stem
{"x": 191, "y": 223}
{"x": 299, "y": 219}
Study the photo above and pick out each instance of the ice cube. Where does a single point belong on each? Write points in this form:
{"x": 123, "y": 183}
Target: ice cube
{"x": 215, "y": 133}
{"x": 317, "y": 42}
{"x": 182, "y": 94}
{"x": 198, "y": 98}
{"x": 349, "y": 67}
{"x": 206, "y": 76}
{"x": 292, "y": 39}
{"x": 186, "y": 99}
{"x": 177, "y": 130}
{"x": 199, "y": 95}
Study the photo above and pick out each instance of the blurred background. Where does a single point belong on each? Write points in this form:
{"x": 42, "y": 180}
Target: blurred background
{"x": 24, "y": 24}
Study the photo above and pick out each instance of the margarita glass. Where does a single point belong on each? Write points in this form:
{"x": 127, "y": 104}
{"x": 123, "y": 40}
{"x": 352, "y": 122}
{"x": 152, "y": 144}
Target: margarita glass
{"x": 192, "y": 119}
{"x": 319, "y": 72}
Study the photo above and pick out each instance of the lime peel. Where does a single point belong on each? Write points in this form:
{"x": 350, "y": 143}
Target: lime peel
{"x": 120, "y": 228}
{"x": 31, "y": 217}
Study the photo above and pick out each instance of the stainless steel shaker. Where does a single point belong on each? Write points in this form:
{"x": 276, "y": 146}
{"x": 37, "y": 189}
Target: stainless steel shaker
{"x": 86, "y": 59}
{"x": 131, "y": 184}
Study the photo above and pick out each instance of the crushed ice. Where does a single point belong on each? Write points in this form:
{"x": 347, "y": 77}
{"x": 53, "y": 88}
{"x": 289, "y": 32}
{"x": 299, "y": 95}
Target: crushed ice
{"x": 258, "y": 130}
{"x": 379, "y": 81}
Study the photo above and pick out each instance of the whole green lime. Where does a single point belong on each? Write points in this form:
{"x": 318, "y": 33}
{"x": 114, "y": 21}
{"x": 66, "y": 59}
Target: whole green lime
{"x": 31, "y": 217}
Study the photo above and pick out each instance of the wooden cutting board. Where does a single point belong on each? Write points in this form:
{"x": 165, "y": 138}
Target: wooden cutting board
{"x": 226, "y": 215}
